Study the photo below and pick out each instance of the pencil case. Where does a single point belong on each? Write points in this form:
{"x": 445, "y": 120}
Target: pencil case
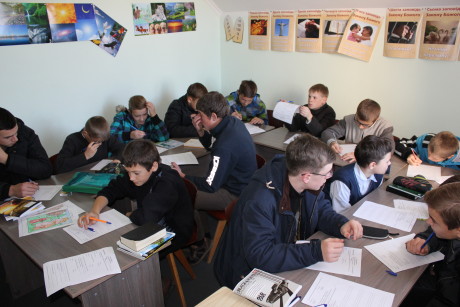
{"x": 375, "y": 233}
{"x": 417, "y": 183}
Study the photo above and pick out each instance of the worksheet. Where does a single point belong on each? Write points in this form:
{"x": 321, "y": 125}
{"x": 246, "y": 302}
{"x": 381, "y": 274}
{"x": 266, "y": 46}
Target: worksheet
{"x": 349, "y": 263}
{"x": 346, "y": 148}
{"x": 285, "y": 111}
{"x": 418, "y": 209}
{"x": 70, "y": 271}
{"x": 394, "y": 255}
{"x": 331, "y": 291}
{"x": 253, "y": 129}
{"x": 428, "y": 171}
{"x": 181, "y": 159}
{"x": 46, "y": 192}
{"x": 100, "y": 165}
{"x": 195, "y": 143}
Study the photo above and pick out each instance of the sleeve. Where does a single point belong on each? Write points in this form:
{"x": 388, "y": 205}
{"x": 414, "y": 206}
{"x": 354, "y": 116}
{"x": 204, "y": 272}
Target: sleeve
{"x": 340, "y": 196}
{"x": 319, "y": 124}
{"x": 334, "y": 133}
{"x": 4, "y": 190}
{"x": 173, "y": 122}
{"x": 157, "y": 131}
{"x": 117, "y": 189}
{"x": 115, "y": 147}
{"x": 329, "y": 221}
{"x": 70, "y": 157}
{"x": 262, "y": 112}
{"x": 403, "y": 148}
{"x": 117, "y": 129}
{"x": 388, "y": 134}
{"x": 156, "y": 204}
{"x": 260, "y": 247}
{"x": 206, "y": 140}
{"x": 35, "y": 163}
{"x": 297, "y": 123}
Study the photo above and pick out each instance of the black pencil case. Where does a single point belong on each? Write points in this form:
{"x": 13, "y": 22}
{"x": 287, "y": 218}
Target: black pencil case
{"x": 375, "y": 233}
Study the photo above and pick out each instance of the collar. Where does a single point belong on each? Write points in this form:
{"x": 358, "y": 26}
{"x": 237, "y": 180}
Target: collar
{"x": 221, "y": 126}
{"x": 360, "y": 175}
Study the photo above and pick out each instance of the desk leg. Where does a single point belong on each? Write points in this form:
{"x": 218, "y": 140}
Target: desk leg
{"x": 22, "y": 275}
{"x": 140, "y": 285}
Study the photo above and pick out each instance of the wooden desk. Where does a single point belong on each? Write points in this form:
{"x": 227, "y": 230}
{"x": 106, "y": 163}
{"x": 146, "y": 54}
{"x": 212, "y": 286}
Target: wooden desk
{"x": 139, "y": 284}
{"x": 198, "y": 152}
{"x": 274, "y": 138}
{"x": 224, "y": 297}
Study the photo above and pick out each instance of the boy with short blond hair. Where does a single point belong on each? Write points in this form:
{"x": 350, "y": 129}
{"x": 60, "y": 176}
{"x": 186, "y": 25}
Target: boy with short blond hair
{"x": 354, "y": 181}
{"x": 440, "y": 149}
{"x": 139, "y": 121}
{"x": 366, "y": 121}
{"x": 246, "y": 105}
{"x": 93, "y": 143}
{"x": 315, "y": 116}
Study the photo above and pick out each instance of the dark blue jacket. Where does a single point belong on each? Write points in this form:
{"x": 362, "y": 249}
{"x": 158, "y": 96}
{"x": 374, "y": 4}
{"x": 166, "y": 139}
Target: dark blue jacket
{"x": 178, "y": 119}
{"x": 262, "y": 235}
{"x": 346, "y": 174}
{"x": 233, "y": 158}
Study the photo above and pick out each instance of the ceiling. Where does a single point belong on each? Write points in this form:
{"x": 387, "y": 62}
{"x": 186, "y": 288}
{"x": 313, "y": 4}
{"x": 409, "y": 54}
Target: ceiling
{"x": 274, "y": 5}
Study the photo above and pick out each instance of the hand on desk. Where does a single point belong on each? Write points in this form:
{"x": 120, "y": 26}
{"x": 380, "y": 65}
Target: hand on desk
{"x": 256, "y": 121}
{"x": 336, "y": 147}
{"x": 176, "y": 167}
{"x": 414, "y": 160}
{"x": 349, "y": 157}
{"x": 413, "y": 246}
{"x": 352, "y": 230}
{"x": 237, "y": 115}
{"x": 136, "y": 134}
{"x": 23, "y": 189}
{"x": 331, "y": 249}
{"x": 84, "y": 221}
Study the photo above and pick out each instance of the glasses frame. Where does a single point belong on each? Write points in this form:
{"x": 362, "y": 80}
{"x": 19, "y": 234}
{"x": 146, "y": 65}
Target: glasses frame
{"x": 364, "y": 125}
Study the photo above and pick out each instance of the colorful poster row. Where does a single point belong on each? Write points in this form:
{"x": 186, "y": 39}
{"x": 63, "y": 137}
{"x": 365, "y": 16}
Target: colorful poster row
{"x": 42, "y": 23}
{"x": 430, "y": 33}
{"x": 162, "y": 18}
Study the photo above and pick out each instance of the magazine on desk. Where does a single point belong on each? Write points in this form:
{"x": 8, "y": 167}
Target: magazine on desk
{"x": 268, "y": 290}
{"x": 14, "y": 208}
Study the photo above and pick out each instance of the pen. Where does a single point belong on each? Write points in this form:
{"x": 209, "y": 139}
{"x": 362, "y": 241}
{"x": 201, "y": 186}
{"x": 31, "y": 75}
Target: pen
{"x": 132, "y": 126}
{"x": 91, "y": 229}
{"x": 391, "y": 273}
{"x": 95, "y": 219}
{"x": 321, "y": 305}
{"x": 415, "y": 154}
{"x": 427, "y": 240}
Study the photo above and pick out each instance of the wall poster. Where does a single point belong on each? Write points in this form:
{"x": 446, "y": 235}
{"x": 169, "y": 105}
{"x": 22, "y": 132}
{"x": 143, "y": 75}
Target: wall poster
{"x": 309, "y": 36}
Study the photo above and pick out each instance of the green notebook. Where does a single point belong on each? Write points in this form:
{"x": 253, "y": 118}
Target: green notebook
{"x": 90, "y": 183}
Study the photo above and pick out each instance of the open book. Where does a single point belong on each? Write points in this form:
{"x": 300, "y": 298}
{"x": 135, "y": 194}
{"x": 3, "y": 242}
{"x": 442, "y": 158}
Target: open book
{"x": 268, "y": 290}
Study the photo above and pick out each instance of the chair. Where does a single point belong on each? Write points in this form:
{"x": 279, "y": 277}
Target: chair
{"x": 53, "y": 160}
{"x": 223, "y": 216}
{"x": 179, "y": 254}
{"x": 273, "y": 121}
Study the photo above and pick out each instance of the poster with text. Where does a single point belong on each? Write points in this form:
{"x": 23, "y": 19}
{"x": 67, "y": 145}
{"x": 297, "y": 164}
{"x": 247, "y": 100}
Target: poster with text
{"x": 228, "y": 27}
{"x": 440, "y": 28}
{"x": 360, "y": 35}
{"x": 259, "y": 30}
{"x": 309, "y": 36}
{"x": 238, "y": 30}
{"x": 402, "y": 32}
{"x": 283, "y": 30}
{"x": 334, "y": 23}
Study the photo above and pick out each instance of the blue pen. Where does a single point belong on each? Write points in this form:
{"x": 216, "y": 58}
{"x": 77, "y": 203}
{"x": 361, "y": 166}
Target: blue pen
{"x": 91, "y": 229}
{"x": 427, "y": 240}
{"x": 391, "y": 273}
{"x": 132, "y": 126}
{"x": 321, "y": 305}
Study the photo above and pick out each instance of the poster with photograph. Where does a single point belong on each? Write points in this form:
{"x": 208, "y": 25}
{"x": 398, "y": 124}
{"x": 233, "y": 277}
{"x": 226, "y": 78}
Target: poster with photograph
{"x": 308, "y": 31}
{"x": 111, "y": 33}
{"x": 360, "y": 35}
{"x": 402, "y": 32}
{"x": 334, "y": 23}
{"x": 259, "y": 30}
{"x": 283, "y": 30}
{"x": 440, "y": 41}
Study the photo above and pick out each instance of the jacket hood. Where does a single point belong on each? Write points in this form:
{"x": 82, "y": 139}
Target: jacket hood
{"x": 269, "y": 176}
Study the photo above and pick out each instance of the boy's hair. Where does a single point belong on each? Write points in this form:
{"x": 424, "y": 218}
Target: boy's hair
{"x": 248, "y": 88}
{"x": 141, "y": 152}
{"x": 320, "y": 88}
{"x": 446, "y": 201}
{"x": 370, "y": 29}
{"x": 368, "y": 110}
{"x": 307, "y": 153}
{"x": 137, "y": 102}
{"x": 372, "y": 149}
{"x": 196, "y": 90}
{"x": 213, "y": 102}
{"x": 7, "y": 120}
{"x": 354, "y": 26}
{"x": 97, "y": 127}
{"x": 444, "y": 144}
{"x": 455, "y": 178}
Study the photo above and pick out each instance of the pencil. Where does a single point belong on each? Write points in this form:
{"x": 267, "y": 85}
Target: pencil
{"x": 427, "y": 240}
{"x": 414, "y": 153}
{"x": 95, "y": 219}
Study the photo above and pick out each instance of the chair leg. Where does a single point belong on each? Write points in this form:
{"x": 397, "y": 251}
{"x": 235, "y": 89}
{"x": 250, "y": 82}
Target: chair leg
{"x": 183, "y": 260}
{"x": 219, "y": 230}
{"x": 175, "y": 273}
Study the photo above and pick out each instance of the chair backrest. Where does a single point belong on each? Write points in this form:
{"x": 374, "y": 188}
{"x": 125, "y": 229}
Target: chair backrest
{"x": 229, "y": 210}
{"x": 191, "y": 189}
{"x": 273, "y": 121}
{"x": 53, "y": 159}
{"x": 260, "y": 161}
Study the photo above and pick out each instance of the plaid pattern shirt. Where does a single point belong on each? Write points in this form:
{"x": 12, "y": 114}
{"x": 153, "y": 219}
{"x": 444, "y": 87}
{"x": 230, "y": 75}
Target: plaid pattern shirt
{"x": 255, "y": 109}
{"x": 123, "y": 124}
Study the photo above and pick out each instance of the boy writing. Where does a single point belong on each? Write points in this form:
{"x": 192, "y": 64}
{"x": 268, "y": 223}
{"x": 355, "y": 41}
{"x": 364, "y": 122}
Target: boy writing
{"x": 140, "y": 121}
{"x": 355, "y": 127}
{"x": 440, "y": 149}
{"x": 315, "y": 116}
{"x": 160, "y": 193}
{"x": 284, "y": 203}
{"x": 245, "y": 104}
{"x": 178, "y": 118}
{"x": 93, "y": 143}
{"x": 354, "y": 181}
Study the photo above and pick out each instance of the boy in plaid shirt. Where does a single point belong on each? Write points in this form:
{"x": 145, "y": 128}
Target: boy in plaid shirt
{"x": 245, "y": 104}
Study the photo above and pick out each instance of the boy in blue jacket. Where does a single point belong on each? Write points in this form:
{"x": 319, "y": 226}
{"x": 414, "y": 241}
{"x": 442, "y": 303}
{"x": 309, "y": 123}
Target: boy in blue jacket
{"x": 284, "y": 203}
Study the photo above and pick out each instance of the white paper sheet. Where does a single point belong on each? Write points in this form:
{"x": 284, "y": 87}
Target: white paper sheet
{"x": 195, "y": 143}
{"x": 349, "y": 263}
{"x": 430, "y": 172}
{"x": 346, "y": 148}
{"x": 384, "y": 215}
{"x": 418, "y": 209}
{"x": 161, "y": 149}
{"x": 442, "y": 179}
{"x": 292, "y": 138}
{"x": 100, "y": 165}
{"x": 394, "y": 255}
{"x": 82, "y": 235}
{"x": 46, "y": 192}
{"x": 285, "y": 111}
{"x": 70, "y": 271}
{"x": 338, "y": 292}
{"x": 253, "y": 129}
{"x": 181, "y": 159}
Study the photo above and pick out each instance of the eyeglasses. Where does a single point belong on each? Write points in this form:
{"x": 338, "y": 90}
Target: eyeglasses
{"x": 364, "y": 125}
{"x": 328, "y": 174}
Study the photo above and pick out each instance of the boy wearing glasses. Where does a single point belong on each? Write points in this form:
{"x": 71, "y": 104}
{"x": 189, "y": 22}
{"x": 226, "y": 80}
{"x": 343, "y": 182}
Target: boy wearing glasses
{"x": 282, "y": 204}
{"x": 354, "y": 181}
{"x": 355, "y": 127}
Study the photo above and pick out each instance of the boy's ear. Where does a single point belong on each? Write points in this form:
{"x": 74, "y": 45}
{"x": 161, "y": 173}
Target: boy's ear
{"x": 154, "y": 167}
{"x": 214, "y": 116}
{"x": 457, "y": 232}
{"x": 372, "y": 165}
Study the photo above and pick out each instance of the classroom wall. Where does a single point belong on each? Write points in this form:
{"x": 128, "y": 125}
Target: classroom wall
{"x": 416, "y": 95}
{"x": 55, "y": 88}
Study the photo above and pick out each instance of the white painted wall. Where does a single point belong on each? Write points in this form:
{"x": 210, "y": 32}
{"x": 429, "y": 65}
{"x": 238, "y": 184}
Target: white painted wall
{"x": 55, "y": 88}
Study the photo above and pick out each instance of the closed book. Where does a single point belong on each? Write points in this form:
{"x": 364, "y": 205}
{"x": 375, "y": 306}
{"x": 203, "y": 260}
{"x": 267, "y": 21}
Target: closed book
{"x": 142, "y": 236}
{"x": 151, "y": 247}
{"x": 405, "y": 192}
{"x": 18, "y": 207}
{"x": 143, "y": 257}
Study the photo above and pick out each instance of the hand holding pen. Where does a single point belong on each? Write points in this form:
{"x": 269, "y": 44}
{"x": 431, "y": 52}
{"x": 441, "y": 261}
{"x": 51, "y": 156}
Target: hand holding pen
{"x": 414, "y": 159}
{"x": 419, "y": 246}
